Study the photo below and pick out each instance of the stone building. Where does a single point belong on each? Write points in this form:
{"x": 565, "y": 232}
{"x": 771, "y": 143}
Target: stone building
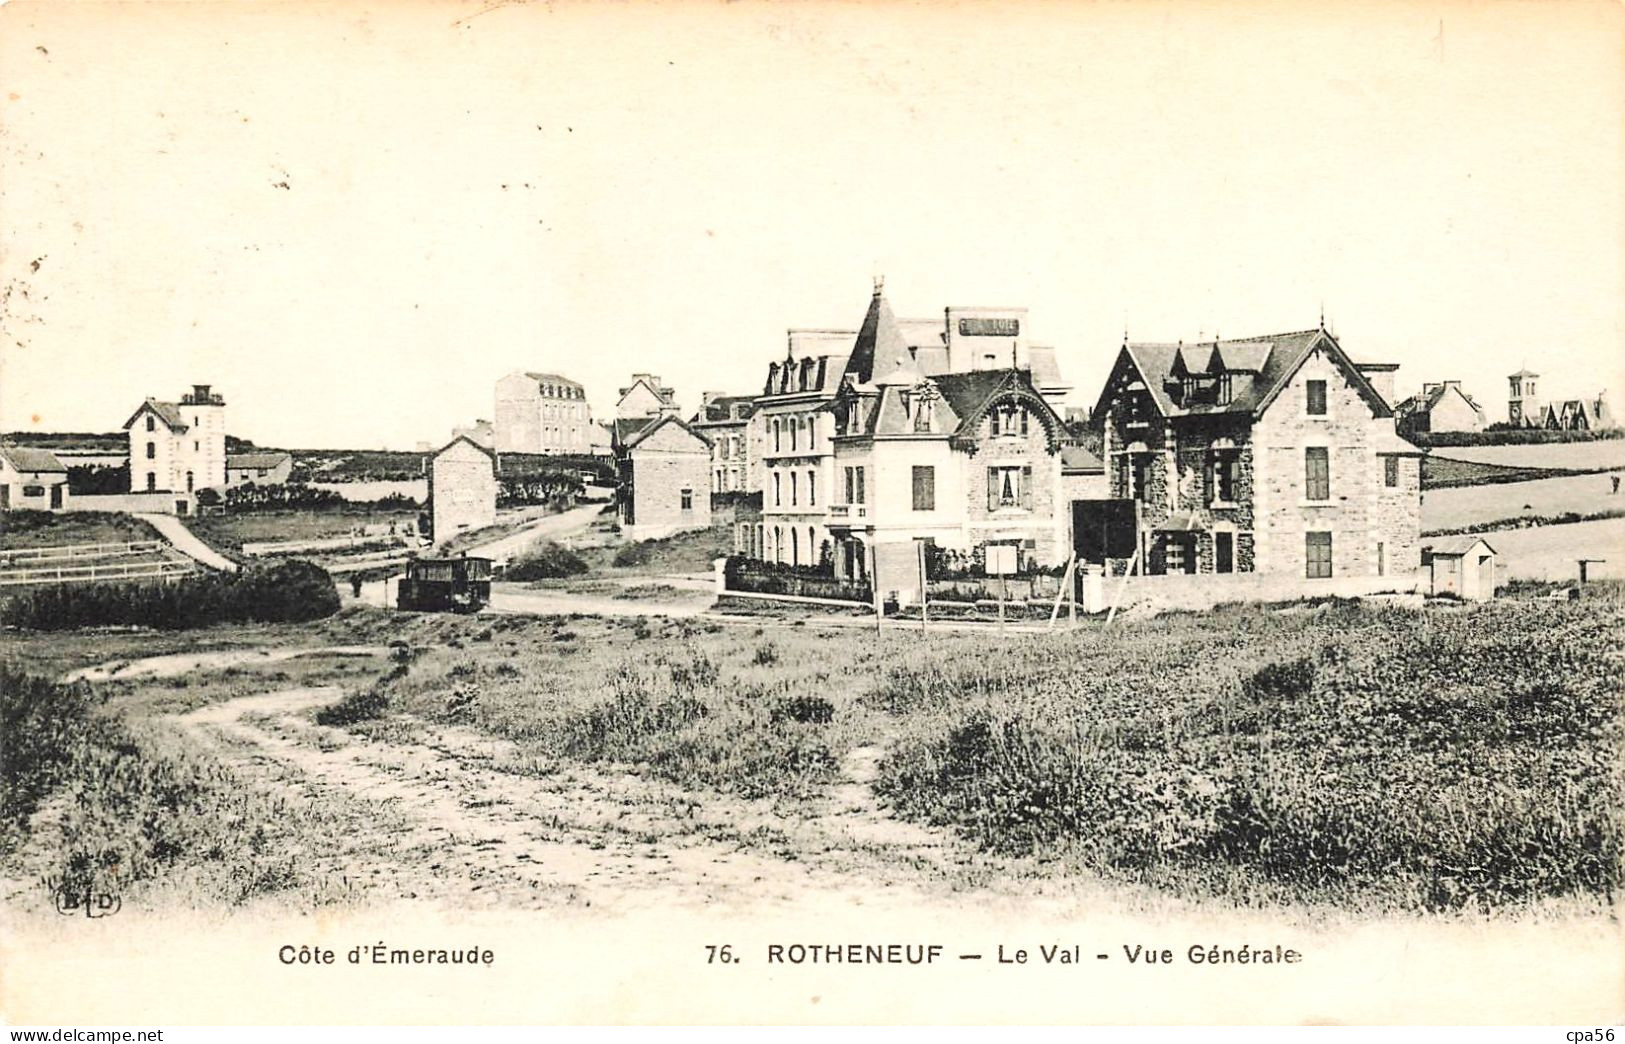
{"x": 462, "y": 488}
{"x": 646, "y": 396}
{"x": 1523, "y": 401}
{"x": 794, "y": 430}
{"x": 724, "y": 420}
{"x": 956, "y": 461}
{"x": 259, "y": 468}
{"x": 178, "y": 447}
{"x": 540, "y": 413}
{"x": 32, "y": 479}
{"x": 664, "y": 472}
{"x": 1442, "y": 406}
{"x": 1272, "y": 454}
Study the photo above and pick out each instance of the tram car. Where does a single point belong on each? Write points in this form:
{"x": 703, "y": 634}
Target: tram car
{"x": 439, "y": 585}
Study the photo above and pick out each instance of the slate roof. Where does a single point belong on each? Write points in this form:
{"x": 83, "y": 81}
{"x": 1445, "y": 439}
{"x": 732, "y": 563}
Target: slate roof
{"x": 958, "y": 407}
{"x": 1077, "y": 458}
{"x": 167, "y": 412}
{"x": 1259, "y": 368}
{"x": 255, "y": 460}
{"x": 1425, "y": 402}
{"x": 552, "y": 378}
{"x": 25, "y": 458}
{"x": 1046, "y": 373}
{"x": 627, "y": 427}
{"x": 654, "y": 424}
{"x": 880, "y": 345}
{"x": 1458, "y": 545}
{"x": 487, "y": 450}
{"x": 720, "y": 409}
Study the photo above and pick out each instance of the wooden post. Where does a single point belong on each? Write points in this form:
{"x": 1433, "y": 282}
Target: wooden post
{"x": 1133, "y": 565}
{"x": 920, "y": 545}
{"x": 874, "y": 584}
{"x": 1055, "y": 611}
{"x": 1003, "y": 582}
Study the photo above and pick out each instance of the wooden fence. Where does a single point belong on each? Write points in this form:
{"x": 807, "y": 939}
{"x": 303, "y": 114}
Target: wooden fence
{"x": 92, "y": 563}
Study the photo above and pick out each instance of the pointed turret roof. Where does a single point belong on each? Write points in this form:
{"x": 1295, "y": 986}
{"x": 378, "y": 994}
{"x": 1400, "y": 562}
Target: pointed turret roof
{"x": 880, "y": 347}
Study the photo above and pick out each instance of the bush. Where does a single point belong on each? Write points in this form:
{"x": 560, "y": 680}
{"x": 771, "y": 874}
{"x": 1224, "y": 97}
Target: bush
{"x": 289, "y": 591}
{"x": 550, "y": 561}
{"x": 628, "y": 555}
{"x": 805, "y": 710}
{"x": 356, "y": 707}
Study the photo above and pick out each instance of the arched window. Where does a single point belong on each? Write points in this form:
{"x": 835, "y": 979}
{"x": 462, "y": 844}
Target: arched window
{"x": 152, "y": 425}
{"x": 188, "y": 482}
{"x": 795, "y": 548}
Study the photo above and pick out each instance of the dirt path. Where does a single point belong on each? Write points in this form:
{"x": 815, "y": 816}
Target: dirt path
{"x": 181, "y": 539}
{"x": 455, "y": 817}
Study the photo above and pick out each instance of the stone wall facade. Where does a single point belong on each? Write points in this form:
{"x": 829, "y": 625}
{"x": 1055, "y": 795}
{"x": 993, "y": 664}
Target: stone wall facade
{"x": 462, "y": 490}
{"x": 666, "y": 483}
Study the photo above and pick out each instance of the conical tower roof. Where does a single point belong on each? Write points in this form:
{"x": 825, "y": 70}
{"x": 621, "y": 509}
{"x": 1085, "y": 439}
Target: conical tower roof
{"x": 880, "y": 347}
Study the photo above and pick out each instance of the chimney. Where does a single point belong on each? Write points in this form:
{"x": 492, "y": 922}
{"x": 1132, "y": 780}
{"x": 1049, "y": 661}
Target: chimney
{"x": 707, "y": 398}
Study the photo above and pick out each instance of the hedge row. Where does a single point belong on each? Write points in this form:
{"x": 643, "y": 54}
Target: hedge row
{"x": 286, "y": 591}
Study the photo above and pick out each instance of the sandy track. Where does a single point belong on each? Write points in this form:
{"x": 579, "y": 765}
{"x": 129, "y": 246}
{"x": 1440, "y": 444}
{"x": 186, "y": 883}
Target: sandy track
{"x": 456, "y": 817}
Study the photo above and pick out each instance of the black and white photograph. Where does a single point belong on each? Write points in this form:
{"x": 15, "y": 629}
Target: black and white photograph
{"x": 823, "y": 513}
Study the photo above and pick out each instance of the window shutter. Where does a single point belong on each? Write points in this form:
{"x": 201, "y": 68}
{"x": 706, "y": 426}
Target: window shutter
{"x": 1024, "y": 422}
{"x": 1208, "y": 480}
{"x": 1027, "y": 488}
{"x": 992, "y": 489}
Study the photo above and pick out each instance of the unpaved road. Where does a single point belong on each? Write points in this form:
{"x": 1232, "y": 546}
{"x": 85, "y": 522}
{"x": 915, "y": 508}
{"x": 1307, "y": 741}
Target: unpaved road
{"x": 454, "y": 817}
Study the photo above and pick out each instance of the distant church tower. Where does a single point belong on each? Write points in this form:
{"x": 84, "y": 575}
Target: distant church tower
{"x": 1523, "y": 405}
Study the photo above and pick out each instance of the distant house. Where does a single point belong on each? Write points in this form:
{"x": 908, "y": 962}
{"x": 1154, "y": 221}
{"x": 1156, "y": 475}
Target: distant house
{"x": 540, "y": 413}
{"x": 1440, "y": 407}
{"x": 178, "y": 447}
{"x": 481, "y": 431}
{"x": 462, "y": 488}
{"x": 258, "y": 468}
{"x": 1461, "y": 566}
{"x": 664, "y": 471}
{"x": 32, "y": 479}
{"x": 1272, "y": 454}
{"x": 724, "y": 420}
{"x": 1579, "y": 415}
{"x": 646, "y": 396}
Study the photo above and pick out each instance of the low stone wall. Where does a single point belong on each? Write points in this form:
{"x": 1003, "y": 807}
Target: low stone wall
{"x": 1204, "y": 591}
{"x": 152, "y": 503}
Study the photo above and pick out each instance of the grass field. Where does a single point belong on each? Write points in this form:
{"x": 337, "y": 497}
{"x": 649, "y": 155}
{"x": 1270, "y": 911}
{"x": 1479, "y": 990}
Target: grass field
{"x": 1470, "y": 505}
{"x": 19, "y": 529}
{"x": 231, "y": 532}
{"x": 1603, "y": 453}
{"x": 1446, "y": 472}
{"x": 1550, "y": 552}
{"x": 1343, "y": 756}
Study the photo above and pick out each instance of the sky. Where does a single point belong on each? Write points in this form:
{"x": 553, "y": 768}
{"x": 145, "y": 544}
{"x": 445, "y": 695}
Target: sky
{"x": 352, "y": 218}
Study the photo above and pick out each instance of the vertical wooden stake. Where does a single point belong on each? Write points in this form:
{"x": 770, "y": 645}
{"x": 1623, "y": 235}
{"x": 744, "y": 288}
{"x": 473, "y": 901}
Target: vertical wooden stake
{"x": 920, "y": 544}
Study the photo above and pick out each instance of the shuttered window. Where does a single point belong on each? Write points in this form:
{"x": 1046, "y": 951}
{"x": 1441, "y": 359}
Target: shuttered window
{"x": 925, "y": 488}
{"x": 1317, "y": 478}
{"x": 1317, "y": 555}
{"x": 1315, "y": 393}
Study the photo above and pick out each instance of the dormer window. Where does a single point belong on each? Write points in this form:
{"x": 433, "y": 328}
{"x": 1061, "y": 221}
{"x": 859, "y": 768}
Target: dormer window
{"x": 1008, "y": 419}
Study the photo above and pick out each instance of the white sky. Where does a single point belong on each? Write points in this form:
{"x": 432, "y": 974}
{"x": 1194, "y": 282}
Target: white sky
{"x": 669, "y": 187}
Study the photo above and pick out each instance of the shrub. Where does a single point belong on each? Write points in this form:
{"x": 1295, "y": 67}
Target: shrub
{"x": 631, "y": 555}
{"x": 805, "y": 710}
{"x": 550, "y": 561}
{"x": 356, "y": 707}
